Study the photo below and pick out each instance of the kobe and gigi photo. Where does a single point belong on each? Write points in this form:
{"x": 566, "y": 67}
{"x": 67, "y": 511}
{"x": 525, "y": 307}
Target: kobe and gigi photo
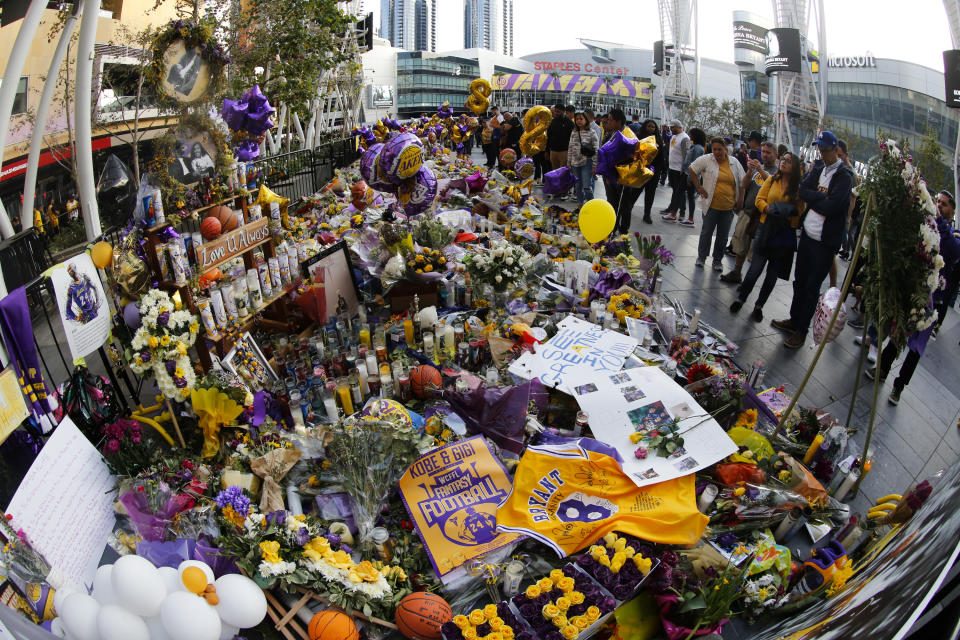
{"x": 191, "y": 162}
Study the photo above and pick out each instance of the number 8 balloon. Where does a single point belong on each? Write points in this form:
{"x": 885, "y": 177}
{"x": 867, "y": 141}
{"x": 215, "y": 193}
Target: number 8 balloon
{"x": 479, "y": 101}
{"x": 535, "y": 123}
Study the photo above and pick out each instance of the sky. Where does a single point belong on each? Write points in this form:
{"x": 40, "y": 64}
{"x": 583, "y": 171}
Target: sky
{"x": 916, "y": 31}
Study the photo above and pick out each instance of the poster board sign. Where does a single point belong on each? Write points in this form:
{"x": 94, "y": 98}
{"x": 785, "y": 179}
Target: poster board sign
{"x": 228, "y": 245}
{"x": 333, "y": 269}
{"x": 645, "y": 400}
{"x": 65, "y": 504}
{"x": 451, "y": 494}
{"x": 579, "y": 347}
{"x": 13, "y": 408}
{"x": 83, "y": 306}
{"x": 783, "y": 51}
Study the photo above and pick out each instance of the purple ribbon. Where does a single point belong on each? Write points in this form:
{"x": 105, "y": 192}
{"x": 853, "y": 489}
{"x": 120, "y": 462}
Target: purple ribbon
{"x": 17, "y": 332}
{"x": 609, "y": 282}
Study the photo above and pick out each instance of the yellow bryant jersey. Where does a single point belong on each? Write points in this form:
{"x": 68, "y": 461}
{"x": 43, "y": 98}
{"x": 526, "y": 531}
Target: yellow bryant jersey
{"x": 567, "y": 498}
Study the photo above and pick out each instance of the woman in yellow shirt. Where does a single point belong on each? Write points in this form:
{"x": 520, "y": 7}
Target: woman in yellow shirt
{"x": 783, "y": 186}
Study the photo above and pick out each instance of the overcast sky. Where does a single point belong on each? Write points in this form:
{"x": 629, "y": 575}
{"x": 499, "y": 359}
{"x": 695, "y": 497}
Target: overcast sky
{"x": 915, "y": 31}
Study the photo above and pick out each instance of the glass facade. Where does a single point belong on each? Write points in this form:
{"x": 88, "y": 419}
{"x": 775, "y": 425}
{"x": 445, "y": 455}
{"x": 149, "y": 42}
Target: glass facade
{"x": 424, "y": 83}
{"x": 863, "y": 108}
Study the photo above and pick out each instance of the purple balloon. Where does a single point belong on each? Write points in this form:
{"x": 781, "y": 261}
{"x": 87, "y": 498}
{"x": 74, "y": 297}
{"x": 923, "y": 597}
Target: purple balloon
{"x": 131, "y": 316}
{"x": 369, "y": 169}
{"x": 401, "y": 158}
{"x": 250, "y": 113}
{"x": 476, "y": 182}
{"x": 617, "y": 150}
{"x": 558, "y": 181}
{"x": 247, "y": 150}
{"x": 524, "y": 168}
{"x": 418, "y": 193}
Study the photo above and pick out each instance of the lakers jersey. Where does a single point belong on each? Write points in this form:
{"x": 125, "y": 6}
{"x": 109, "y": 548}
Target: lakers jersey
{"x": 568, "y": 497}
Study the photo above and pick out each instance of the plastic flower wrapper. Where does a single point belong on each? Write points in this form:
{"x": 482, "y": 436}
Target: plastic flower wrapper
{"x": 393, "y": 272}
{"x": 500, "y": 413}
{"x": 369, "y": 458}
{"x": 151, "y": 506}
{"x": 432, "y": 233}
{"x": 273, "y": 467}
{"x": 214, "y": 409}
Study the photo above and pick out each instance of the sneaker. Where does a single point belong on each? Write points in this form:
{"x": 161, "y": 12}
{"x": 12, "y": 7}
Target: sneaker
{"x": 735, "y": 306}
{"x": 757, "y": 314}
{"x": 872, "y": 355}
{"x": 670, "y": 217}
{"x": 782, "y": 325}
{"x": 795, "y": 340}
{"x": 894, "y": 398}
{"x": 870, "y": 374}
{"x": 733, "y": 277}
{"x": 647, "y": 220}
{"x": 855, "y": 322}
{"x": 686, "y": 223}
{"x": 729, "y": 250}
{"x": 933, "y": 334}
{"x": 717, "y": 267}
{"x": 858, "y": 340}
{"x": 699, "y": 263}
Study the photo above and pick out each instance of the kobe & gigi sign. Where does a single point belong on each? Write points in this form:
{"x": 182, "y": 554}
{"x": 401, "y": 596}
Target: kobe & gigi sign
{"x": 210, "y": 254}
{"x": 451, "y": 495}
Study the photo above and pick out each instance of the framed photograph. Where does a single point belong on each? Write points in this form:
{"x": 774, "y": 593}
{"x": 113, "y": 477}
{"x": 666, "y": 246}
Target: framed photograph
{"x": 193, "y": 157}
{"x": 246, "y": 360}
{"x": 186, "y": 75}
{"x": 332, "y": 269}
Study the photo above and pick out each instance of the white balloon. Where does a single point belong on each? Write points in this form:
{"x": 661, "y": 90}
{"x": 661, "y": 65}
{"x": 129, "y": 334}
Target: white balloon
{"x": 102, "y": 587}
{"x": 242, "y": 603}
{"x": 116, "y": 623}
{"x": 227, "y": 632}
{"x": 60, "y": 595}
{"x": 171, "y": 579}
{"x": 57, "y": 628}
{"x": 203, "y": 566}
{"x": 157, "y": 632}
{"x": 188, "y": 617}
{"x": 79, "y": 615}
{"x": 137, "y": 585}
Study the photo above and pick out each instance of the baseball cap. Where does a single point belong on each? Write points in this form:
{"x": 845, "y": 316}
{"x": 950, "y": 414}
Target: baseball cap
{"x": 755, "y": 135}
{"x": 676, "y": 123}
{"x": 826, "y": 139}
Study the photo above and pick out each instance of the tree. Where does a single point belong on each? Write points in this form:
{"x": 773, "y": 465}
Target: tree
{"x": 929, "y": 160}
{"x": 755, "y": 115}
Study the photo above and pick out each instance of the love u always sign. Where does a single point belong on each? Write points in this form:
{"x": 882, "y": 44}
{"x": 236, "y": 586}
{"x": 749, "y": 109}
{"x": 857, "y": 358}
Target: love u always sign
{"x": 211, "y": 254}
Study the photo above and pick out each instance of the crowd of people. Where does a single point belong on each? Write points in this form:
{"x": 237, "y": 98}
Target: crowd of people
{"x": 785, "y": 217}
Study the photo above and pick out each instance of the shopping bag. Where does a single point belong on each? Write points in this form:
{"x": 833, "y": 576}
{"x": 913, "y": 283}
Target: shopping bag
{"x": 821, "y": 319}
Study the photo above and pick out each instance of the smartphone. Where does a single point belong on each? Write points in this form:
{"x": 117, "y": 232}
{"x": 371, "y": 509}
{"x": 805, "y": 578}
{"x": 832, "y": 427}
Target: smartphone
{"x": 755, "y": 154}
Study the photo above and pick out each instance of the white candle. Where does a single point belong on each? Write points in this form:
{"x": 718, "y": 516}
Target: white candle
{"x": 330, "y": 404}
{"x": 372, "y": 368}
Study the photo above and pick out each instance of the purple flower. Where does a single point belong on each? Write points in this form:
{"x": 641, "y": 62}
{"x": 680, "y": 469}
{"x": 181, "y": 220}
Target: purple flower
{"x": 451, "y": 631}
{"x": 145, "y": 356}
{"x": 542, "y": 599}
{"x": 113, "y": 446}
{"x": 727, "y": 542}
{"x": 554, "y": 635}
{"x": 303, "y": 536}
{"x": 577, "y": 610}
{"x": 277, "y": 517}
{"x": 607, "y": 604}
{"x": 524, "y": 635}
{"x": 483, "y": 630}
{"x": 163, "y": 318}
{"x": 529, "y": 611}
{"x": 346, "y": 548}
{"x": 334, "y": 539}
{"x": 233, "y": 496}
{"x": 670, "y": 557}
{"x": 569, "y": 570}
{"x": 520, "y": 599}
{"x": 622, "y": 591}
{"x": 170, "y": 366}
{"x": 585, "y": 561}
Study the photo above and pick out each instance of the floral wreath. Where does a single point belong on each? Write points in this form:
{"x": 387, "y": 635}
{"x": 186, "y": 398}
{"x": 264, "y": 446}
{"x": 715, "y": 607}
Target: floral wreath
{"x": 903, "y": 268}
{"x": 194, "y": 35}
{"x": 160, "y": 344}
{"x": 177, "y": 197}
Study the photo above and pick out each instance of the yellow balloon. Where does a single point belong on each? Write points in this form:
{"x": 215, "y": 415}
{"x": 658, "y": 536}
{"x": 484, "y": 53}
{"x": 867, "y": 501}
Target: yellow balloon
{"x": 535, "y": 124}
{"x": 597, "y": 219}
{"x": 102, "y": 255}
{"x": 635, "y": 174}
{"x": 194, "y": 579}
{"x": 479, "y": 96}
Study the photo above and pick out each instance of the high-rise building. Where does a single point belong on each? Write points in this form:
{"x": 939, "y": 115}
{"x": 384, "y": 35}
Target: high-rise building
{"x": 488, "y": 24}
{"x": 409, "y": 24}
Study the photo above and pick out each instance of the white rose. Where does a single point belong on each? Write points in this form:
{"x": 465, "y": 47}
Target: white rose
{"x": 499, "y": 279}
{"x": 509, "y": 260}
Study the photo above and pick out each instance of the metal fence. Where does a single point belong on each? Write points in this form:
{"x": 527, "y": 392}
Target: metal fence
{"x": 301, "y": 173}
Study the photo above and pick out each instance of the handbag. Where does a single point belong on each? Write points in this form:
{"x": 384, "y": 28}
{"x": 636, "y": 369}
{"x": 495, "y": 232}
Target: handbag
{"x": 776, "y": 235}
{"x": 586, "y": 150}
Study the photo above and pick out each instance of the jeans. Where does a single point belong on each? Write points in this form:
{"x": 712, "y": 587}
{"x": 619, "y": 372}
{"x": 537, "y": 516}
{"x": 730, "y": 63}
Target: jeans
{"x": 678, "y": 182}
{"x": 691, "y": 200}
{"x": 649, "y": 190}
{"x": 906, "y": 369}
{"x": 757, "y": 263}
{"x": 721, "y": 221}
{"x": 813, "y": 265}
{"x": 584, "y": 186}
{"x": 491, "y": 150}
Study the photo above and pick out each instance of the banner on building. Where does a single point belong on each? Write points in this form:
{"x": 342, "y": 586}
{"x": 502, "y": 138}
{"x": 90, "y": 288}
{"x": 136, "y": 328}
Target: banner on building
{"x": 783, "y": 51}
{"x": 747, "y": 35}
{"x": 576, "y": 83}
{"x": 951, "y": 77}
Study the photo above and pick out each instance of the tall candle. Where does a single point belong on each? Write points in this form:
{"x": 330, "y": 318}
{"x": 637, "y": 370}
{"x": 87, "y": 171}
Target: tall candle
{"x": 364, "y": 336}
{"x": 343, "y": 393}
{"x": 812, "y": 450}
{"x": 449, "y": 341}
{"x": 408, "y": 332}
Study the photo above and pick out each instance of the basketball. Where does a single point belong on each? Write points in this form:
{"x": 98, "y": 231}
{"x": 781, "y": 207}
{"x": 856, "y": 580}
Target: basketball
{"x": 424, "y": 379}
{"x": 420, "y": 615}
{"x": 227, "y": 217}
{"x": 333, "y": 625}
{"x": 210, "y": 228}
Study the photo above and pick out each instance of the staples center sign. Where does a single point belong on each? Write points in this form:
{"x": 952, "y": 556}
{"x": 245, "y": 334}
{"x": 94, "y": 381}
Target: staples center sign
{"x": 577, "y": 67}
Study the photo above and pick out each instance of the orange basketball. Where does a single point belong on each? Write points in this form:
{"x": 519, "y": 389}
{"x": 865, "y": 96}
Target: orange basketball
{"x": 424, "y": 379}
{"x": 210, "y": 228}
{"x": 420, "y": 615}
{"x": 333, "y": 625}
{"x": 227, "y": 217}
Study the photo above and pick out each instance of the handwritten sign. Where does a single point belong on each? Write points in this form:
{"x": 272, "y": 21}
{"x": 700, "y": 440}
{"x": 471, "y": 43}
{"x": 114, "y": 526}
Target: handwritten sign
{"x": 13, "y": 408}
{"x": 65, "y": 504}
{"x": 579, "y": 346}
{"x": 452, "y": 495}
{"x": 228, "y": 245}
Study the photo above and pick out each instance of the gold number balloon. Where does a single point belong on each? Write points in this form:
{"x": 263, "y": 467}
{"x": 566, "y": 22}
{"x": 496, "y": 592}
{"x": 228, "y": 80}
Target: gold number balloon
{"x": 479, "y": 101}
{"x": 535, "y": 123}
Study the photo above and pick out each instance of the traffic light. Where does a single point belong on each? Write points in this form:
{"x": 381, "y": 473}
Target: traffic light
{"x": 658, "y": 58}
{"x": 364, "y": 31}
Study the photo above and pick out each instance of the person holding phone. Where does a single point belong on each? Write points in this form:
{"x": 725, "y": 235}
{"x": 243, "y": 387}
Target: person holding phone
{"x": 762, "y": 164}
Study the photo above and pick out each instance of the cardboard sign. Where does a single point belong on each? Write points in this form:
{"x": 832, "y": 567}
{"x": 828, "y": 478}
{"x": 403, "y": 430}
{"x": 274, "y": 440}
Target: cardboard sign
{"x": 579, "y": 347}
{"x": 84, "y": 311}
{"x": 451, "y": 494}
{"x": 13, "y": 408}
{"x": 228, "y": 245}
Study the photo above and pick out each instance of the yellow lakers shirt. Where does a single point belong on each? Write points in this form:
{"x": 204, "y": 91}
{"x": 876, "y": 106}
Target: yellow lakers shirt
{"x": 568, "y": 498}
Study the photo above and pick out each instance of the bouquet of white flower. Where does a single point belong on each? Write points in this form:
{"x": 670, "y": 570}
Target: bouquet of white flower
{"x": 160, "y": 344}
{"x": 502, "y": 266}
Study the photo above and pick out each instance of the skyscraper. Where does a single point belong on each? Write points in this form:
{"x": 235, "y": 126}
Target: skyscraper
{"x": 409, "y": 24}
{"x": 488, "y": 24}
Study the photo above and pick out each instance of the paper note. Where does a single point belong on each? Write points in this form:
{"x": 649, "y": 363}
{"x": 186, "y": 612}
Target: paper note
{"x": 578, "y": 348}
{"x": 84, "y": 311}
{"x": 65, "y": 504}
{"x": 645, "y": 400}
{"x": 13, "y": 408}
